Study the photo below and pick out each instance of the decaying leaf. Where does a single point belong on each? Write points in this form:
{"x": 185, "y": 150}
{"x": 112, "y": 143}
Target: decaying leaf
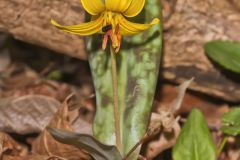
{"x": 45, "y": 144}
{"x": 18, "y": 76}
{"x": 166, "y": 120}
{"x": 176, "y": 104}
{"x": 165, "y": 117}
{"x": 19, "y": 80}
{"x": 9, "y": 147}
{"x": 97, "y": 150}
{"x": 26, "y": 114}
{"x": 36, "y": 157}
{"x": 49, "y": 88}
{"x": 4, "y": 60}
{"x": 165, "y": 141}
{"x": 33, "y": 157}
{"x": 237, "y": 3}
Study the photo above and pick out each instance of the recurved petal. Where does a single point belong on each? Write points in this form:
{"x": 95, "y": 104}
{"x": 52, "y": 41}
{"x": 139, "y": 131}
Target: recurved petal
{"x": 130, "y": 28}
{"x": 93, "y": 7}
{"x": 117, "y": 5}
{"x": 83, "y": 29}
{"x": 135, "y": 8}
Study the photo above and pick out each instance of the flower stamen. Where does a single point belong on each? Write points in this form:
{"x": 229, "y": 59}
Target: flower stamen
{"x": 114, "y": 34}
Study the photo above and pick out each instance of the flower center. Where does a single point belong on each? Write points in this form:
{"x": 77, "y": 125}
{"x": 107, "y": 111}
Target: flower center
{"x": 111, "y": 29}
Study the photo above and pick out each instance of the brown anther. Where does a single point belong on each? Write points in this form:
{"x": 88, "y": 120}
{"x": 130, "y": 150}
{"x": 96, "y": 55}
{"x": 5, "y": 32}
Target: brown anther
{"x": 107, "y": 28}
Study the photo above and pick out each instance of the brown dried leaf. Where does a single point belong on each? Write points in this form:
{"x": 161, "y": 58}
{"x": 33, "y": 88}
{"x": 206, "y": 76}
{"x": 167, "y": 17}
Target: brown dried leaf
{"x": 41, "y": 157}
{"x": 177, "y": 102}
{"x": 47, "y": 145}
{"x": 26, "y": 114}
{"x": 33, "y": 157}
{"x": 165, "y": 117}
{"x": 4, "y": 60}
{"x": 212, "y": 110}
{"x": 52, "y": 89}
{"x": 166, "y": 120}
{"x": 236, "y": 3}
{"x": 18, "y": 76}
{"x": 165, "y": 141}
{"x": 9, "y": 147}
{"x": 12, "y": 158}
{"x": 19, "y": 80}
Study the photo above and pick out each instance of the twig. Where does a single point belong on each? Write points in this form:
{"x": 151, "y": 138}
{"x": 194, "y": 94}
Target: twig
{"x": 150, "y": 132}
{"x": 116, "y": 103}
{"x": 135, "y": 147}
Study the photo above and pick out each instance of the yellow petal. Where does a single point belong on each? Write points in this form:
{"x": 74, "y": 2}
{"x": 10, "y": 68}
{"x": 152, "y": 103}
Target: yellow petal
{"x": 135, "y": 8}
{"x": 117, "y": 5}
{"x": 93, "y": 7}
{"x": 83, "y": 29}
{"x": 130, "y": 28}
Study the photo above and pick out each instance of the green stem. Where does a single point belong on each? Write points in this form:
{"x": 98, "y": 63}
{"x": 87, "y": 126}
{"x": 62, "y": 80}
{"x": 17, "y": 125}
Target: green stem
{"x": 222, "y": 145}
{"x": 116, "y": 100}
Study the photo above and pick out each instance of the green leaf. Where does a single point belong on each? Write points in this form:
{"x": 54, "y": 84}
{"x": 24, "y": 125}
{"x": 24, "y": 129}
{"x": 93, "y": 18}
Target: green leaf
{"x": 195, "y": 141}
{"x": 96, "y": 149}
{"x": 231, "y": 122}
{"x": 225, "y": 53}
{"x": 138, "y": 64}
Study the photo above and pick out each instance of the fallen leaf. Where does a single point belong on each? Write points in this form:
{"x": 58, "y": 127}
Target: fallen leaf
{"x": 12, "y": 158}
{"x": 26, "y": 114}
{"x": 165, "y": 114}
{"x": 49, "y": 88}
{"x": 33, "y": 157}
{"x": 212, "y": 110}
{"x": 19, "y": 80}
{"x": 18, "y": 76}
{"x": 177, "y": 102}
{"x": 9, "y": 147}
{"x": 4, "y": 60}
{"x": 42, "y": 157}
{"x": 164, "y": 141}
{"x": 166, "y": 120}
{"x": 45, "y": 144}
{"x": 237, "y": 3}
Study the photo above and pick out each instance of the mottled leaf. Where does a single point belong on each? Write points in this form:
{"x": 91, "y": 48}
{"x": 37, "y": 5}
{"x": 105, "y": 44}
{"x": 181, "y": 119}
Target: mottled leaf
{"x": 97, "y": 150}
{"x": 231, "y": 122}
{"x": 137, "y": 65}
{"x": 195, "y": 141}
{"x": 225, "y": 53}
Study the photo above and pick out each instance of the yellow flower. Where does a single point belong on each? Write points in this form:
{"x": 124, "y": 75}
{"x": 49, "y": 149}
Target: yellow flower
{"x": 108, "y": 18}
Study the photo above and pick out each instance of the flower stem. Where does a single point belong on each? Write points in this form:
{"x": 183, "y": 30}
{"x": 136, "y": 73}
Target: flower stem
{"x": 222, "y": 145}
{"x": 116, "y": 100}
